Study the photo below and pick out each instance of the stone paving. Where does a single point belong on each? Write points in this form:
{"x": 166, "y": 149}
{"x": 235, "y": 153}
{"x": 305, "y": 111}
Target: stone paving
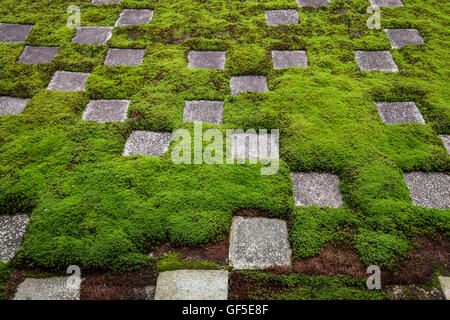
{"x": 9, "y": 105}
{"x": 254, "y": 146}
{"x": 106, "y": 110}
{"x": 288, "y": 59}
{"x": 126, "y": 57}
{"x": 445, "y": 285}
{"x": 248, "y": 83}
{"x": 316, "y": 189}
{"x": 93, "y": 35}
{"x": 38, "y": 55}
{"x": 14, "y": 33}
{"x": 203, "y": 111}
{"x": 12, "y": 229}
{"x": 54, "y": 288}
{"x": 429, "y": 189}
{"x": 147, "y": 143}
{"x": 402, "y": 37}
{"x": 446, "y": 141}
{"x": 68, "y": 81}
{"x": 399, "y": 112}
{"x": 207, "y": 59}
{"x": 313, "y": 3}
{"x": 131, "y": 17}
{"x": 105, "y": 1}
{"x": 375, "y": 61}
{"x": 386, "y": 3}
{"x": 281, "y": 17}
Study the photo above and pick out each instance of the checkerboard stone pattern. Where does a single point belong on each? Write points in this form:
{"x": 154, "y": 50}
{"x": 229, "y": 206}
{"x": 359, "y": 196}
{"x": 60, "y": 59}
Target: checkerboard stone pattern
{"x": 248, "y": 83}
{"x": 258, "y": 243}
{"x": 254, "y": 146}
{"x": 203, "y": 111}
{"x": 281, "y": 17}
{"x": 38, "y": 55}
{"x": 207, "y": 59}
{"x": 445, "y": 286}
{"x": 147, "y": 143}
{"x": 93, "y": 35}
{"x": 10, "y": 105}
{"x": 429, "y": 189}
{"x": 316, "y": 189}
{"x": 402, "y": 37}
{"x": 375, "y": 61}
{"x": 386, "y": 3}
{"x": 126, "y": 57}
{"x": 106, "y": 110}
{"x": 399, "y": 112}
{"x": 192, "y": 285}
{"x": 54, "y": 288}
{"x": 130, "y": 17}
{"x": 287, "y": 59}
{"x": 313, "y": 3}
{"x": 105, "y": 1}
{"x": 68, "y": 81}
{"x": 446, "y": 141}
{"x": 12, "y": 229}
{"x": 14, "y": 33}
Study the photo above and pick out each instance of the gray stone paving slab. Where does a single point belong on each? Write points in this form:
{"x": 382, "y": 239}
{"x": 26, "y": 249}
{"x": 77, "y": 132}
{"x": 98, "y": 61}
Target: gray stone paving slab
{"x": 54, "y": 288}
{"x": 12, "y": 229}
{"x": 106, "y": 110}
{"x": 127, "y": 57}
{"x": 313, "y": 3}
{"x": 280, "y": 17}
{"x": 203, "y": 111}
{"x": 105, "y": 1}
{"x": 375, "y": 61}
{"x": 399, "y": 112}
{"x": 68, "y": 81}
{"x": 254, "y": 146}
{"x": 248, "y": 83}
{"x": 93, "y": 35}
{"x": 14, "y": 33}
{"x": 192, "y": 285}
{"x": 402, "y": 37}
{"x": 130, "y": 17}
{"x": 446, "y": 141}
{"x": 316, "y": 189}
{"x": 386, "y": 3}
{"x": 10, "y": 105}
{"x": 207, "y": 59}
{"x": 38, "y": 55}
{"x": 445, "y": 286}
{"x": 429, "y": 189}
{"x": 287, "y": 59}
{"x": 147, "y": 143}
{"x": 258, "y": 243}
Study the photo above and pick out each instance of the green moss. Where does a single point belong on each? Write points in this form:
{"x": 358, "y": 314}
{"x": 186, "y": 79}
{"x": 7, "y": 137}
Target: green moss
{"x": 174, "y": 261}
{"x": 5, "y": 274}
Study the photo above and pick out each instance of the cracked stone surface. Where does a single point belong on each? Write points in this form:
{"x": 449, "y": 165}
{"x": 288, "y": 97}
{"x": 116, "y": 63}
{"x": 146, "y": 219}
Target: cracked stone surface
{"x": 287, "y": 59}
{"x": 38, "y": 55}
{"x": 254, "y": 146}
{"x": 248, "y": 83}
{"x": 14, "y": 33}
{"x": 54, "y": 288}
{"x": 446, "y": 141}
{"x": 399, "y": 112}
{"x": 316, "y": 189}
{"x": 68, "y": 81}
{"x": 10, "y": 105}
{"x": 127, "y": 57}
{"x": 313, "y": 3}
{"x": 445, "y": 285}
{"x": 147, "y": 143}
{"x": 280, "y": 17}
{"x": 12, "y": 229}
{"x": 203, "y": 111}
{"x": 192, "y": 285}
{"x": 105, "y": 1}
{"x": 207, "y": 59}
{"x": 386, "y": 3}
{"x": 106, "y": 110}
{"x": 429, "y": 189}
{"x": 130, "y": 17}
{"x": 375, "y": 61}
{"x": 402, "y": 37}
{"x": 93, "y": 35}
{"x": 258, "y": 243}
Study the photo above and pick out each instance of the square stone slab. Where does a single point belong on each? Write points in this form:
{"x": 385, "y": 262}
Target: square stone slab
{"x": 207, "y": 59}
{"x": 14, "y": 33}
{"x": 375, "y": 61}
{"x": 279, "y": 17}
{"x": 287, "y": 59}
{"x": 105, "y": 1}
{"x": 316, "y": 189}
{"x": 446, "y": 141}
{"x": 127, "y": 57}
{"x": 93, "y": 35}
{"x": 38, "y": 55}
{"x": 258, "y": 243}
{"x": 203, "y": 111}
{"x": 106, "y": 110}
{"x": 192, "y": 285}
{"x": 12, "y": 229}
{"x": 147, "y": 143}
{"x": 10, "y": 105}
{"x": 429, "y": 189}
{"x": 402, "y": 37}
{"x": 248, "y": 83}
{"x": 445, "y": 286}
{"x": 54, "y": 288}
{"x": 68, "y": 81}
{"x": 386, "y": 3}
{"x": 130, "y": 17}
{"x": 254, "y": 146}
{"x": 399, "y": 112}
{"x": 313, "y": 3}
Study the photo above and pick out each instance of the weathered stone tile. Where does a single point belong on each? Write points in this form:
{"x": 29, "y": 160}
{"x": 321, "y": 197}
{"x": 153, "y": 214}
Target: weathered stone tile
{"x": 254, "y": 146}
{"x": 399, "y": 112}
{"x": 402, "y": 37}
{"x": 280, "y": 17}
{"x": 130, "y": 17}
{"x": 313, "y": 3}
{"x": 14, "y": 33}
{"x": 54, "y": 288}
{"x": 10, "y": 105}
{"x": 93, "y": 35}
{"x": 147, "y": 143}
{"x": 446, "y": 140}
{"x": 429, "y": 189}
{"x": 106, "y": 110}
{"x": 12, "y": 229}
{"x": 375, "y": 61}
{"x": 203, "y": 111}
{"x": 38, "y": 55}
{"x": 127, "y": 57}
{"x": 207, "y": 59}
{"x": 287, "y": 59}
{"x": 248, "y": 83}
{"x": 386, "y": 3}
{"x": 316, "y": 189}
{"x": 68, "y": 81}
{"x": 105, "y": 1}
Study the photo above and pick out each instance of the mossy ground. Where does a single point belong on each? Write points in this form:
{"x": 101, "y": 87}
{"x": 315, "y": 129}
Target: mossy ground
{"x": 93, "y": 207}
